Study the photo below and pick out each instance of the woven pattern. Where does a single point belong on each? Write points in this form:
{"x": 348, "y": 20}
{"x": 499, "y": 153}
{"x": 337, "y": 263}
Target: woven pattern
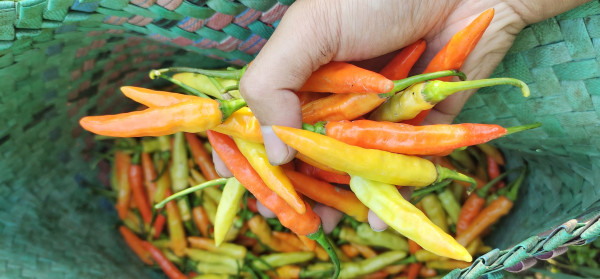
{"x": 558, "y": 58}
{"x": 225, "y": 30}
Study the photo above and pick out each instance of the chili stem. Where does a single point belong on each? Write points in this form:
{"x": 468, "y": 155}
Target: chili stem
{"x": 228, "y": 107}
{"x": 516, "y": 129}
{"x": 159, "y": 74}
{"x": 482, "y": 192}
{"x": 226, "y": 74}
{"x": 418, "y": 194}
{"x": 438, "y": 90}
{"x": 402, "y": 84}
{"x": 444, "y": 173}
{"x": 319, "y": 237}
{"x": 318, "y": 127}
{"x": 179, "y": 194}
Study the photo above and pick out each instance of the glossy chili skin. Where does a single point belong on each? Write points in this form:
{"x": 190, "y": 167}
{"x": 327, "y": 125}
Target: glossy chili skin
{"x": 342, "y": 77}
{"x": 135, "y": 243}
{"x": 167, "y": 266}
{"x": 228, "y": 207}
{"x": 201, "y": 156}
{"x": 122, "y": 162}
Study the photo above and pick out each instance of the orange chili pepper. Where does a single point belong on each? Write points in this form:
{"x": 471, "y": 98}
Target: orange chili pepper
{"x": 413, "y": 270}
{"x": 201, "y": 157}
{"x": 399, "y": 67}
{"x": 201, "y": 220}
{"x": 122, "y": 162}
{"x": 167, "y": 266}
{"x": 241, "y": 124}
{"x": 152, "y": 98}
{"x": 349, "y": 250}
{"x": 427, "y": 272}
{"x": 341, "y": 77}
{"x": 149, "y": 175}
{"x": 325, "y": 193}
{"x": 365, "y": 250}
{"x": 307, "y": 97}
{"x": 136, "y": 182}
{"x": 135, "y": 243}
{"x": 456, "y": 51}
{"x": 176, "y": 231}
{"x": 332, "y": 177}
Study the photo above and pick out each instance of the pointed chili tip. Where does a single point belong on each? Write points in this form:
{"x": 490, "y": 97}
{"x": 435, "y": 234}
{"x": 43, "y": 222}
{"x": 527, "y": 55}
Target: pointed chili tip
{"x": 516, "y": 129}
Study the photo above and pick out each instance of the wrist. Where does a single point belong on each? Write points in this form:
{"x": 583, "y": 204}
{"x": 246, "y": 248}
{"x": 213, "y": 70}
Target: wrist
{"x": 532, "y": 11}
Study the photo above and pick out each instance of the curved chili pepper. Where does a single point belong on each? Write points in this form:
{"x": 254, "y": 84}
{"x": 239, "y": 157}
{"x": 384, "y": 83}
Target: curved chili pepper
{"x": 192, "y": 116}
{"x": 228, "y": 249}
{"x": 136, "y": 182}
{"x": 385, "y": 200}
{"x": 122, "y": 162}
{"x": 228, "y": 208}
{"x": 167, "y": 266}
{"x": 370, "y": 163}
{"x": 412, "y": 140}
{"x": 456, "y": 51}
{"x": 273, "y": 176}
{"x": 201, "y": 157}
{"x": 153, "y": 98}
{"x": 351, "y": 106}
{"x": 325, "y": 193}
{"x": 491, "y": 213}
{"x": 342, "y": 77}
{"x": 423, "y": 96}
{"x": 324, "y": 175}
{"x": 241, "y": 124}
{"x": 135, "y": 243}
{"x": 474, "y": 203}
{"x": 303, "y": 224}
{"x": 434, "y": 210}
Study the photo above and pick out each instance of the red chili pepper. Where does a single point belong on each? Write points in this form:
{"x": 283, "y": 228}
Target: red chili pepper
{"x": 492, "y": 213}
{"x": 493, "y": 170}
{"x": 324, "y": 175}
{"x": 251, "y": 204}
{"x": 167, "y": 266}
{"x": 493, "y": 152}
{"x": 325, "y": 193}
{"x": 412, "y": 140}
{"x": 341, "y": 77}
{"x": 201, "y": 157}
{"x": 136, "y": 182}
{"x": 456, "y": 51}
{"x": 159, "y": 225}
{"x": 135, "y": 243}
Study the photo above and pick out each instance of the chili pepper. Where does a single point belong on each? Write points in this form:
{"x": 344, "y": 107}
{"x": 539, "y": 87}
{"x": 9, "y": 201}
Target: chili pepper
{"x": 175, "y": 224}
{"x": 214, "y": 193}
{"x": 149, "y": 174}
{"x": 349, "y": 250}
{"x": 227, "y": 249}
{"x": 273, "y": 176}
{"x": 385, "y": 201}
{"x": 190, "y": 116}
{"x": 427, "y": 272}
{"x": 251, "y": 204}
{"x": 201, "y": 157}
{"x": 456, "y": 51}
{"x": 423, "y": 96}
{"x": 159, "y": 225}
{"x": 167, "y": 266}
{"x": 413, "y": 270}
{"x": 341, "y": 77}
{"x": 493, "y": 170}
{"x": 309, "y": 244}
{"x": 201, "y": 220}
{"x": 385, "y": 239}
{"x": 425, "y": 256}
{"x": 258, "y": 225}
{"x": 212, "y": 268}
{"x": 355, "y": 269}
{"x": 152, "y": 98}
{"x": 462, "y": 159}
{"x": 434, "y": 210}
{"x": 288, "y": 271}
{"x": 291, "y": 240}
{"x": 179, "y": 174}
{"x": 474, "y": 203}
{"x": 312, "y": 162}
{"x": 376, "y": 275}
{"x": 210, "y": 206}
{"x": 493, "y": 152}
{"x": 350, "y": 106}
{"x": 212, "y": 258}
{"x": 364, "y": 250}
{"x": 241, "y": 124}
{"x": 447, "y": 264}
{"x": 228, "y": 208}
{"x": 136, "y": 182}
{"x": 327, "y": 194}
{"x": 211, "y": 86}
{"x": 135, "y": 243}
{"x": 211, "y": 276}
{"x": 303, "y": 224}
{"x": 122, "y": 162}
{"x": 372, "y": 164}
{"x": 324, "y": 175}
{"x": 412, "y": 140}
{"x": 450, "y": 204}
{"x": 280, "y": 259}
{"x": 491, "y": 213}
{"x": 307, "y": 97}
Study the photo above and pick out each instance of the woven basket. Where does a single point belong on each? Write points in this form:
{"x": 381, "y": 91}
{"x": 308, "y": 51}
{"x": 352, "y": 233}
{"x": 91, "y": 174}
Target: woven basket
{"x": 63, "y": 59}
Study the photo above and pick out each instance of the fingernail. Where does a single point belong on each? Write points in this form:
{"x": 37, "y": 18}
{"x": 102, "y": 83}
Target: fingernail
{"x": 277, "y": 151}
{"x": 376, "y": 223}
{"x": 265, "y": 212}
{"x": 220, "y": 166}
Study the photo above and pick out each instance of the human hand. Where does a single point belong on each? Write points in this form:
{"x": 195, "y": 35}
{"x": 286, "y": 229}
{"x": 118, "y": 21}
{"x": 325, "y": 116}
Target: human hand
{"x": 315, "y": 32}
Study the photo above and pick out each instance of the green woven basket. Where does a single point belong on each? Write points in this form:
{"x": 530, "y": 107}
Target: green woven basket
{"x": 63, "y": 59}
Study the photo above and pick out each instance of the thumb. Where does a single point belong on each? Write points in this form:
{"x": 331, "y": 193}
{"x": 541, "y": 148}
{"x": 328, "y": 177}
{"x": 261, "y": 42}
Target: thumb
{"x": 280, "y": 69}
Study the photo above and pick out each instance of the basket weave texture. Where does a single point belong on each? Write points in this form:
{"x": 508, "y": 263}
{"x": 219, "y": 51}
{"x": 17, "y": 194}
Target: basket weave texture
{"x": 63, "y": 59}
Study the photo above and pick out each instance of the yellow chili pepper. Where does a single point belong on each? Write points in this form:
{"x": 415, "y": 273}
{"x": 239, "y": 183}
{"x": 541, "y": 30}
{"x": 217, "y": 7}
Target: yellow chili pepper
{"x": 447, "y": 264}
{"x": 204, "y": 84}
{"x": 372, "y": 164}
{"x": 179, "y": 174}
{"x": 228, "y": 207}
{"x": 273, "y": 176}
{"x": 434, "y": 210}
{"x": 241, "y": 124}
{"x": 385, "y": 201}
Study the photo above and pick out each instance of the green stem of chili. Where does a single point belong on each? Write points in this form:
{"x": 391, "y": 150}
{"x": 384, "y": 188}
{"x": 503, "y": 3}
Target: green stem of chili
{"x": 511, "y": 191}
{"x": 482, "y": 192}
{"x": 516, "y": 129}
{"x": 228, "y": 107}
{"x": 417, "y": 195}
{"x": 319, "y": 237}
{"x": 435, "y": 90}
{"x": 318, "y": 127}
{"x": 159, "y": 74}
{"x": 218, "y": 181}
{"x": 402, "y": 84}
{"x": 444, "y": 173}
{"x": 226, "y": 74}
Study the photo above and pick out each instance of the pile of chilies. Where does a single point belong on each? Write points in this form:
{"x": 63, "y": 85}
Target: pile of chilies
{"x": 353, "y": 155}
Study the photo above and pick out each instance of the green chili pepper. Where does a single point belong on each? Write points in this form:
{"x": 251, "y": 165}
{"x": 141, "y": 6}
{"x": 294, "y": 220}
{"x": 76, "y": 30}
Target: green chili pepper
{"x": 179, "y": 174}
{"x": 210, "y": 206}
{"x": 213, "y": 258}
{"x": 450, "y": 204}
{"x": 204, "y": 267}
{"x": 366, "y": 236}
{"x": 434, "y": 210}
{"x": 280, "y": 259}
